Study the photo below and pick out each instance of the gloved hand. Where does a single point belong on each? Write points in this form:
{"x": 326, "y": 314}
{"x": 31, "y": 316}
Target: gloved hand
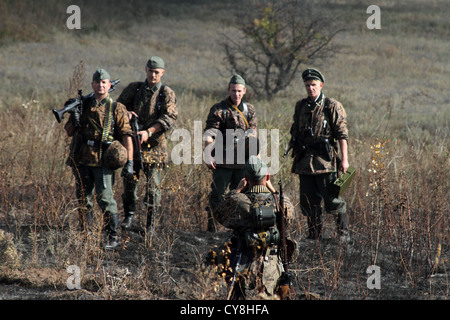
{"x": 75, "y": 112}
{"x": 128, "y": 170}
{"x": 76, "y": 115}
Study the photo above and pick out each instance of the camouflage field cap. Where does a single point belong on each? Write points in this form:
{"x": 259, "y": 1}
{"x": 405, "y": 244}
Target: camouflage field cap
{"x": 100, "y": 74}
{"x": 237, "y": 79}
{"x": 115, "y": 156}
{"x": 155, "y": 63}
{"x": 312, "y": 74}
{"x": 255, "y": 169}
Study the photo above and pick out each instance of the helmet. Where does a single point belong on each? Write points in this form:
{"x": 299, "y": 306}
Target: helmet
{"x": 115, "y": 156}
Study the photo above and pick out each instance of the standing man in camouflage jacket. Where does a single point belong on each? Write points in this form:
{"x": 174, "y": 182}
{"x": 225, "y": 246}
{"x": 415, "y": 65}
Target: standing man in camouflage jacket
{"x": 93, "y": 130}
{"x": 318, "y": 132}
{"x": 228, "y": 124}
{"x": 155, "y": 106}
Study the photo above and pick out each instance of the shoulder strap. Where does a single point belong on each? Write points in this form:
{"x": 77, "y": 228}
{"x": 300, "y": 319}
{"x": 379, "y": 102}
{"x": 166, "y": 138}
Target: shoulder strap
{"x": 326, "y": 107}
{"x": 244, "y": 105}
{"x": 160, "y": 100}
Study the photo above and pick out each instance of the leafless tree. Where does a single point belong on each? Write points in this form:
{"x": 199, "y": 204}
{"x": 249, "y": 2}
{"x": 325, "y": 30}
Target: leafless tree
{"x": 275, "y": 37}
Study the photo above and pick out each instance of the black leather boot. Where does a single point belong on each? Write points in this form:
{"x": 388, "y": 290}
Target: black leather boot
{"x": 342, "y": 227}
{"x": 315, "y": 225}
{"x": 113, "y": 242}
{"x": 111, "y": 229}
{"x": 128, "y": 220}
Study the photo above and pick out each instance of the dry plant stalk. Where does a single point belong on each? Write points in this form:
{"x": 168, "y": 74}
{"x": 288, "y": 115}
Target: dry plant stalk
{"x": 76, "y": 82}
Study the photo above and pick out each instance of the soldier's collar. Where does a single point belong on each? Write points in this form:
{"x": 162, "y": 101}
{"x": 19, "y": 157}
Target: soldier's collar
{"x": 154, "y": 88}
{"x": 103, "y": 101}
{"x": 231, "y": 104}
{"x": 317, "y": 102}
{"x": 318, "y": 99}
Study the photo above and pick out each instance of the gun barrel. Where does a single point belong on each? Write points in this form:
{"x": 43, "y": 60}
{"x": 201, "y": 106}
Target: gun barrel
{"x": 114, "y": 83}
{"x": 287, "y": 151}
{"x": 59, "y": 114}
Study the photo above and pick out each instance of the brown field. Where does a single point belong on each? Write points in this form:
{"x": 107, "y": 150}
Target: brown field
{"x": 392, "y": 82}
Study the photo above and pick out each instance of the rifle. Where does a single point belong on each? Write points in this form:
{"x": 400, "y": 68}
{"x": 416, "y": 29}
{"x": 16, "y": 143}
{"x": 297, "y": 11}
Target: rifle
{"x": 78, "y": 102}
{"x": 231, "y": 287}
{"x": 285, "y": 280}
{"x": 138, "y": 163}
{"x": 297, "y": 147}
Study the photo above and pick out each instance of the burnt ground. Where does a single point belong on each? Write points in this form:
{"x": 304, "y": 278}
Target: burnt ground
{"x": 172, "y": 268}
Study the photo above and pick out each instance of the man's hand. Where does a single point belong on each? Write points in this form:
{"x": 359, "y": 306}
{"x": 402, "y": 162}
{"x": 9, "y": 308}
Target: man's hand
{"x": 209, "y": 159}
{"x": 242, "y": 185}
{"x": 143, "y": 136}
{"x": 343, "y": 166}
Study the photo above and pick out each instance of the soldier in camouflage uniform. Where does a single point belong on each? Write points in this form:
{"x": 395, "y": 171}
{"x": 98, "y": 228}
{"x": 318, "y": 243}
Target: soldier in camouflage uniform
{"x": 260, "y": 265}
{"x": 101, "y": 121}
{"x": 318, "y": 133}
{"x": 229, "y": 122}
{"x": 155, "y": 105}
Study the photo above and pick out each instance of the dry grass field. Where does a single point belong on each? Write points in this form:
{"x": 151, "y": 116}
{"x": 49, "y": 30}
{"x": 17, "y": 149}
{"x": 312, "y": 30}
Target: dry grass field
{"x": 392, "y": 82}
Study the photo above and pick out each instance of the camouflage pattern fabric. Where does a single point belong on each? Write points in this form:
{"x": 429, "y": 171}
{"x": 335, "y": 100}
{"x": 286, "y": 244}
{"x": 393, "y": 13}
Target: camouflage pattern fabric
{"x": 115, "y": 156}
{"x": 259, "y": 268}
{"x": 234, "y": 211}
{"x": 313, "y": 115}
{"x": 92, "y": 124}
{"x": 234, "y": 121}
{"x": 143, "y": 100}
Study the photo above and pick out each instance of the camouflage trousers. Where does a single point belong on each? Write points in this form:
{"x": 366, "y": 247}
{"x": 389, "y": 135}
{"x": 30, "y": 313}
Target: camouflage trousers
{"x": 152, "y": 198}
{"x": 100, "y": 179}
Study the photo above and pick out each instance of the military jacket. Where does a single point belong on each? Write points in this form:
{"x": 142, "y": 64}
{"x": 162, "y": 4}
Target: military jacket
{"x": 87, "y": 142}
{"x": 223, "y": 116}
{"x": 152, "y": 105}
{"x": 313, "y": 122}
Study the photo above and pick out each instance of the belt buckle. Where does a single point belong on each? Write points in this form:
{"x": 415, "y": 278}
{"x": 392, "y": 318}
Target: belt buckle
{"x": 90, "y": 143}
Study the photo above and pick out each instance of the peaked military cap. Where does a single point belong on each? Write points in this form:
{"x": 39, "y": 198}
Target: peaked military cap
{"x": 237, "y": 79}
{"x": 155, "y": 63}
{"x": 255, "y": 169}
{"x": 312, "y": 74}
{"x": 100, "y": 74}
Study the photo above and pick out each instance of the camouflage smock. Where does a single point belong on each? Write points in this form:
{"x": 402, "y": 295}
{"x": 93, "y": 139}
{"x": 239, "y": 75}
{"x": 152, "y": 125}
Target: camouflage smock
{"x": 314, "y": 114}
{"x": 224, "y": 116}
{"x": 234, "y": 211}
{"x": 152, "y": 105}
{"x": 88, "y": 138}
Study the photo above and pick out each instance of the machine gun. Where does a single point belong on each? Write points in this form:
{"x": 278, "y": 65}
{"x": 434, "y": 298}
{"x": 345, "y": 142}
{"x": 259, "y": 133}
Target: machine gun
{"x": 78, "y": 102}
